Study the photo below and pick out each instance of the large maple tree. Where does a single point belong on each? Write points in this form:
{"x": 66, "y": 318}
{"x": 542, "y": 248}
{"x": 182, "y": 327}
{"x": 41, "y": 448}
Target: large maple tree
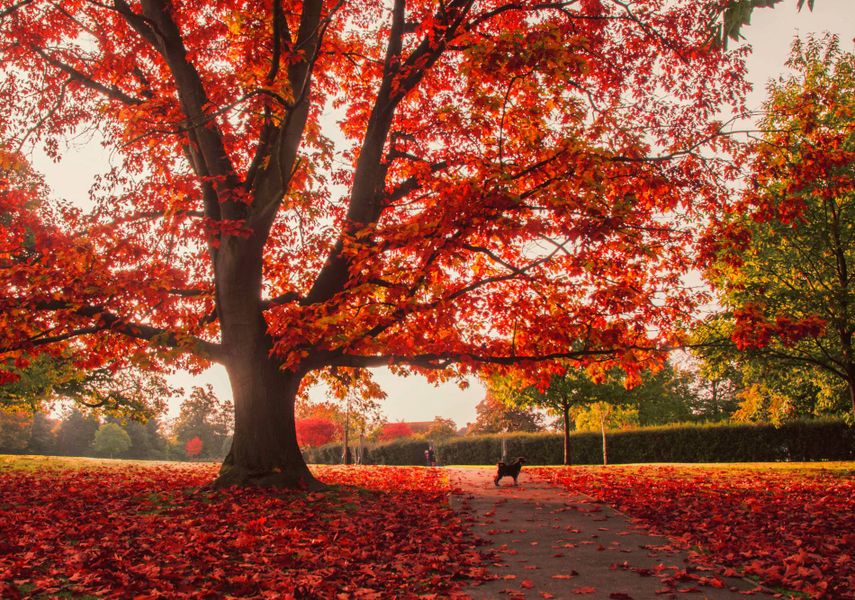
{"x": 507, "y": 182}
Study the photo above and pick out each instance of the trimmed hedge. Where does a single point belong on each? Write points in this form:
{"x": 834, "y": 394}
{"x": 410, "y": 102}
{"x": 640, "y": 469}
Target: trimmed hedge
{"x": 797, "y": 441}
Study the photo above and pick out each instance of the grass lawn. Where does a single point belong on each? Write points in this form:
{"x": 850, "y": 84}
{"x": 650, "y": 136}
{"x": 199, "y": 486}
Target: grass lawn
{"x": 789, "y": 525}
{"x": 30, "y": 462}
{"x": 81, "y": 527}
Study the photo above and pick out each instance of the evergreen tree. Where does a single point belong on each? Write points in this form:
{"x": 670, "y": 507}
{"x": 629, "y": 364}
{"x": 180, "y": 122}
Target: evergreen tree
{"x": 111, "y": 440}
{"x": 75, "y": 433}
{"x": 43, "y": 434}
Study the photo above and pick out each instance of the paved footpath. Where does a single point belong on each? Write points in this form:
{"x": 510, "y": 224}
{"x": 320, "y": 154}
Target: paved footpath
{"x": 550, "y": 543}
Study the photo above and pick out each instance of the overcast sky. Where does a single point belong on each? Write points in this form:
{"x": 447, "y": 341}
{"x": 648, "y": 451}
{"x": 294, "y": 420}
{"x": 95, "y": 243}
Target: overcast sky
{"x": 413, "y": 399}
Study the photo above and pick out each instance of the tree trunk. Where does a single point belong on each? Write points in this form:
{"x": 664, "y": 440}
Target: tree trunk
{"x": 566, "y": 416}
{"x": 264, "y": 449}
{"x": 605, "y": 449}
{"x": 346, "y": 457}
{"x": 851, "y": 382}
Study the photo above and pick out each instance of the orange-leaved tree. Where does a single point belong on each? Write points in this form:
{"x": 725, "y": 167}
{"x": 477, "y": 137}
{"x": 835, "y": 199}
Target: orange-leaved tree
{"x": 784, "y": 269}
{"x": 507, "y": 182}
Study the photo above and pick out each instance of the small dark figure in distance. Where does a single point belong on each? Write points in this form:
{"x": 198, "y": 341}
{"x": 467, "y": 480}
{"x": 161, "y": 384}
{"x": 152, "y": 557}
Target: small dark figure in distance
{"x": 509, "y": 470}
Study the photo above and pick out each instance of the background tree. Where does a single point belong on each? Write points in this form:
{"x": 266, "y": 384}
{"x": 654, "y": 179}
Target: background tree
{"x": 316, "y": 431}
{"x": 492, "y": 415}
{"x": 43, "y": 434}
{"x": 566, "y": 389}
{"x": 394, "y": 431}
{"x": 670, "y": 395}
{"x": 75, "y": 433}
{"x": 788, "y": 283}
{"x": 29, "y": 382}
{"x": 602, "y": 417}
{"x": 36, "y": 382}
{"x": 508, "y": 163}
{"x": 205, "y": 416}
{"x": 111, "y": 440}
{"x": 569, "y": 387}
{"x": 664, "y": 396}
{"x": 193, "y": 447}
{"x": 15, "y": 430}
{"x": 147, "y": 440}
{"x": 441, "y": 429}
{"x": 719, "y": 377}
{"x": 354, "y": 406}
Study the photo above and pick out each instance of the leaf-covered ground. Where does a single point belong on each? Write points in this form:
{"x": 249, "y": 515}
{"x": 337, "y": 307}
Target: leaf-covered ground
{"x": 791, "y": 528}
{"x": 154, "y": 532}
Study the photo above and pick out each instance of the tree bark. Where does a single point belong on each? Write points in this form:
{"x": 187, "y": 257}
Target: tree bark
{"x": 264, "y": 449}
{"x": 566, "y": 416}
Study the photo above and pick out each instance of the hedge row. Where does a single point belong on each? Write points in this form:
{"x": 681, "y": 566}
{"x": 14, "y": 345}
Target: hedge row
{"x": 798, "y": 441}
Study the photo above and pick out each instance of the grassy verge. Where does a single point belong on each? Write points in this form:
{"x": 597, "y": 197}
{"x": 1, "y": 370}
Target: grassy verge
{"x": 33, "y": 462}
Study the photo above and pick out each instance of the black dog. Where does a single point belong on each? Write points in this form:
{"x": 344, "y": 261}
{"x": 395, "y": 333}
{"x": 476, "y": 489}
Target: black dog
{"x": 509, "y": 470}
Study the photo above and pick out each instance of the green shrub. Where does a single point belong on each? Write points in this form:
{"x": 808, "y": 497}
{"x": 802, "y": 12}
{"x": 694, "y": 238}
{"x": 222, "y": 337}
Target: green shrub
{"x": 797, "y": 441}
{"x": 402, "y": 451}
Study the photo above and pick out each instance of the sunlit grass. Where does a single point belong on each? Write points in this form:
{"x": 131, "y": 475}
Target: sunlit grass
{"x": 32, "y": 462}
{"x": 840, "y": 468}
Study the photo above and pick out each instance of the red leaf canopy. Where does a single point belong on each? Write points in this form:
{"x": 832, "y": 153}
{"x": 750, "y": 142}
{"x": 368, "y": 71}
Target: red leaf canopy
{"x": 503, "y": 181}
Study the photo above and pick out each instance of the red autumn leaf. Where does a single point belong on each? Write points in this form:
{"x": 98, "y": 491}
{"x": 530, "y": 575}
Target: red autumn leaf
{"x": 785, "y": 526}
{"x": 394, "y": 523}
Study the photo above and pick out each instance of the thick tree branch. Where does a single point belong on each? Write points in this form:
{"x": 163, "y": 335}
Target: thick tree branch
{"x": 283, "y": 299}
{"x": 17, "y": 6}
{"x": 107, "y": 321}
{"x": 75, "y": 75}
{"x": 399, "y": 78}
{"x": 207, "y": 148}
{"x": 444, "y": 360}
{"x": 411, "y": 184}
{"x": 273, "y": 179}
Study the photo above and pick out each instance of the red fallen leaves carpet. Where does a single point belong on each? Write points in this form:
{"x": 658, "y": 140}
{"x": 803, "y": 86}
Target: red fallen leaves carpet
{"x": 791, "y": 529}
{"x": 152, "y": 532}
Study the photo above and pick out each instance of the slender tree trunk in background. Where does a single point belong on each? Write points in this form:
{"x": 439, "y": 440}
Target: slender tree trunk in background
{"x": 360, "y": 456}
{"x": 566, "y": 417}
{"x": 844, "y": 283}
{"x": 603, "y": 430}
{"x": 851, "y": 382}
{"x": 346, "y": 458}
{"x": 715, "y": 399}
